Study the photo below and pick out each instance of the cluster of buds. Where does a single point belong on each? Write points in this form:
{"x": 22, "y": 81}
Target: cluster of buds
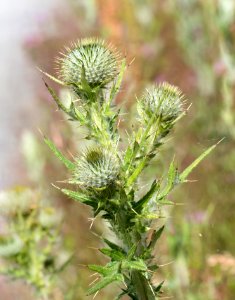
{"x": 29, "y": 239}
{"x": 89, "y": 66}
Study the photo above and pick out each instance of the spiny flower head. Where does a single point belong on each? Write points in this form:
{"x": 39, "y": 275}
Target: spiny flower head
{"x": 163, "y": 100}
{"x": 97, "y": 168}
{"x": 98, "y": 60}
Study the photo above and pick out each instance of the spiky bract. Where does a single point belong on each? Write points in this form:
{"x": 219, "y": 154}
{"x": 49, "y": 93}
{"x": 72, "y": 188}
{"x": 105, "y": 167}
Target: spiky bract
{"x": 163, "y": 100}
{"x": 97, "y": 168}
{"x": 91, "y": 58}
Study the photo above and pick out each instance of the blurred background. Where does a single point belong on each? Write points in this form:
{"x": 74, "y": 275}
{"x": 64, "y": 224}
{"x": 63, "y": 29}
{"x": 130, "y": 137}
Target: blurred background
{"x": 189, "y": 43}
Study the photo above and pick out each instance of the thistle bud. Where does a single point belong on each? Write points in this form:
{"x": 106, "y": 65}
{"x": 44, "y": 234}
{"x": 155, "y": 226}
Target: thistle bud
{"x": 49, "y": 217}
{"x": 163, "y": 100}
{"x": 89, "y": 58}
{"x": 19, "y": 199}
{"x": 10, "y": 247}
{"x": 96, "y": 169}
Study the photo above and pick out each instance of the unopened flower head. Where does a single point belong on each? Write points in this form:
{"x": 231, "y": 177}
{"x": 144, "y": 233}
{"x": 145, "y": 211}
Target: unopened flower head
{"x": 94, "y": 57}
{"x": 11, "y": 246}
{"x": 97, "y": 168}
{"x": 49, "y": 217}
{"x": 164, "y": 100}
{"x": 19, "y": 199}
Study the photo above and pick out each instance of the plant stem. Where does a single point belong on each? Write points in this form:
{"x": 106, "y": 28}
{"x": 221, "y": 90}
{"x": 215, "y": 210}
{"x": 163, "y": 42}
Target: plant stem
{"x": 142, "y": 286}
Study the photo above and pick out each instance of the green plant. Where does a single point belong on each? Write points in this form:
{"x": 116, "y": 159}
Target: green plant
{"x": 106, "y": 175}
{"x": 30, "y": 240}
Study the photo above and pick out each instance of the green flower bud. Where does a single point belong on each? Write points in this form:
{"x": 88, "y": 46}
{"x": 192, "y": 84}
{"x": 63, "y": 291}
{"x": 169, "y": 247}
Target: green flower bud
{"x": 96, "y": 169}
{"x": 49, "y": 217}
{"x": 10, "y": 247}
{"x": 93, "y": 57}
{"x": 163, "y": 100}
{"x": 19, "y": 199}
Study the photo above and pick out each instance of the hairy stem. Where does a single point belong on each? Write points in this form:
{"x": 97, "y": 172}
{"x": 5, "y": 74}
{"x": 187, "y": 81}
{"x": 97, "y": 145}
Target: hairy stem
{"x": 142, "y": 285}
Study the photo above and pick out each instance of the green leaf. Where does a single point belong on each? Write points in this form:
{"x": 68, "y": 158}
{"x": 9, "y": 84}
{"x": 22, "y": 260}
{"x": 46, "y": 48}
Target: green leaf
{"x": 131, "y": 252}
{"x": 132, "y": 148}
{"x": 77, "y": 196}
{"x": 141, "y": 137}
{"x": 76, "y": 114}
{"x": 56, "y": 98}
{"x": 134, "y": 265}
{"x": 62, "y": 158}
{"x": 153, "y": 268}
{"x": 155, "y": 236}
{"x": 104, "y": 282}
{"x": 157, "y": 289}
{"x": 136, "y": 172}
{"x": 100, "y": 269}
{"x": 113, "y": 246}
{"x": 138, "y": 206}
{"x": 172, "y": 177}
{"x": 110, "y": 268}
{"x": 71, "y": 111}
{"x": 115, "y": 88}
{"x": 84, "y": 84}
{"x": 172, "y": 180}
{"x": 113, "y": 254}
{"x": 190, "y": 168}
{"x": 150, "y": 216}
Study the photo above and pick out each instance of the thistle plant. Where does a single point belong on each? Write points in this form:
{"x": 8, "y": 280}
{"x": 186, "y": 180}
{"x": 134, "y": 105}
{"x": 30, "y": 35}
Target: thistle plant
{"x": 29, "y": 240}
{"x": 106, "y": 175}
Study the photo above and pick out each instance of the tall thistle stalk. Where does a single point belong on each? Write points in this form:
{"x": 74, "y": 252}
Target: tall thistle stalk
{"x": 107, "y": 178}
